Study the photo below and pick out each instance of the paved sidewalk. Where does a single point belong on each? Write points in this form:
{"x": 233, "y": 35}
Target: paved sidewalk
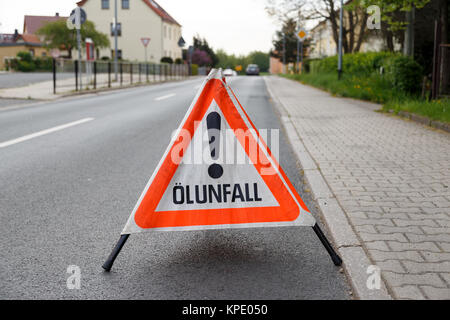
{"x": 390, "y": 178}
{"x": 65, "y": 85}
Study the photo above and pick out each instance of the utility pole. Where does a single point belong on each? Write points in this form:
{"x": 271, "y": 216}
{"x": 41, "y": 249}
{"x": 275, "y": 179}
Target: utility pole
{"x": 341, "y": 18}
{"x": 78, "y": 26}
{"x": 284, "y": 52}
{"x": 115, "y": 40}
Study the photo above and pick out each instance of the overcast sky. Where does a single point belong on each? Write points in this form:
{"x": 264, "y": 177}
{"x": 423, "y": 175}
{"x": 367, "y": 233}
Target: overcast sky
{"x": 237, "y": 26}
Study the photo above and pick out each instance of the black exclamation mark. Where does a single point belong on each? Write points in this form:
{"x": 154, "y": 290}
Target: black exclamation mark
{"x": 215, "y": 170}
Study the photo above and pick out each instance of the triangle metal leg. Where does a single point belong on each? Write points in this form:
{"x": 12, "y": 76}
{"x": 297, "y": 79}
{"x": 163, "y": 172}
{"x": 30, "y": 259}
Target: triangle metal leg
{"x": 334, "y": 256}
{"x": 110, "y": 261}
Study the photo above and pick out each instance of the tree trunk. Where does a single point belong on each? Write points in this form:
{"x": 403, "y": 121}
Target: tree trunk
{"x": 388, "y": 36}
{"x": 362, "y": 32}
{"x": 408, "y": 49}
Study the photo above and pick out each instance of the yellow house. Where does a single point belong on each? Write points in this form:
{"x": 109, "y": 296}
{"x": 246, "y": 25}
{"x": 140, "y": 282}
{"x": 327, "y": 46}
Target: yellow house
{"x": 136, "y": 19}
{"x": 11, "y": 44}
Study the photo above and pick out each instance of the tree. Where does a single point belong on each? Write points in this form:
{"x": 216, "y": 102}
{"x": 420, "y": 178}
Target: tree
{"x": 232, "y": 61}
{"x": 397, "y": 18}
{"x": 261, "y": 59}
{"x": 57, "y": 35}
{"x": 201, "y": 58}
{"x": 288, "y": 30}
{"x": 203, "y": 45}
{"x": 355, "y": 19}
{"x": 389, "y": 8}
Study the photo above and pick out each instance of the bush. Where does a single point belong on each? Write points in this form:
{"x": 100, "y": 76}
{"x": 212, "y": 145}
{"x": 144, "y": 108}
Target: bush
{"x": 178, "y": 61}
{"x": 26, "y": 66}
{"x": 44, "y": 64}
{"x": 25, "y": 56}
{"x": 405, "y": 74}
{"x": 167, "y": 60}
{"x": 361, "y": 63}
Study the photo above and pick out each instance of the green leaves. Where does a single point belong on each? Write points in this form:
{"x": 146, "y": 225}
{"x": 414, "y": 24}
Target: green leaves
{"x": 390, "y": 7}
{"x": 57, "y": 35}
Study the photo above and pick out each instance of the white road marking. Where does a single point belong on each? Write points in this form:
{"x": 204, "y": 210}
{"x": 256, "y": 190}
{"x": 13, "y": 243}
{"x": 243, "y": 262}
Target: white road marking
{"x": 165, "y": 97}
{"x": 44, "y": 132}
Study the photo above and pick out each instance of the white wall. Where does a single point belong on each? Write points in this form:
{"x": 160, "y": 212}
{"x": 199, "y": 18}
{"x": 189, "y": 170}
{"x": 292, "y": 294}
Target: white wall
{"x": 137, "y": 22}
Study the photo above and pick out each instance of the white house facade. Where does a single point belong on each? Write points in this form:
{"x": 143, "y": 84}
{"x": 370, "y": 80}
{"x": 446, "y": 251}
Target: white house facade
{"x": 136, "y": 19}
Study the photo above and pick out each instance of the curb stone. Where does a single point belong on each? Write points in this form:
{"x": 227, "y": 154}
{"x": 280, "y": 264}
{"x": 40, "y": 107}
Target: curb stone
{"x": 356, "y": 260}
{"x": 423, "y": 120}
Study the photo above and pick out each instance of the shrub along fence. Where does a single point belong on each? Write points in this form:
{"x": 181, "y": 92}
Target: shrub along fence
{"x": 74, "y": 75}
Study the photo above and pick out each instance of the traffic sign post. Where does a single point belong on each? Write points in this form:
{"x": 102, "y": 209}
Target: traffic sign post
{"x": 145, "y": 42}
{"x": 301, "y": 36}
{"x": 77, "y": 17}
{"x": 188, "y": 193}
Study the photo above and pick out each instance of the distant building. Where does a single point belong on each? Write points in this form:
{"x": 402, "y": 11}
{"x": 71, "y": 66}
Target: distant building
{"x": 31, "y": 24}
{"x": 323, "y": 44}
{"x": 136, "y": 19}
{"x": 11, "y": 44}
{"x": 276, "y": 66}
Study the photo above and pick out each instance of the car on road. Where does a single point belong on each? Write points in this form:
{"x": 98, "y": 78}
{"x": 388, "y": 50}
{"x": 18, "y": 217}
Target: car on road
{"x": 228, "y": 73}
{"x": 252, "y": 69}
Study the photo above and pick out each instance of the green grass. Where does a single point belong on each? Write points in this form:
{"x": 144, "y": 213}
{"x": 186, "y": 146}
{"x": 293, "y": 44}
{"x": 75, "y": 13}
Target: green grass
{"x": 377, "y": 89}
{"x": 435, "y": 110}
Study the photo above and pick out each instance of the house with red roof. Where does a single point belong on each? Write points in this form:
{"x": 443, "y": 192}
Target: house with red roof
{"x": 13, "y": 43}
{"x": 137, "y": 19}
{"x": 31, "y": 24}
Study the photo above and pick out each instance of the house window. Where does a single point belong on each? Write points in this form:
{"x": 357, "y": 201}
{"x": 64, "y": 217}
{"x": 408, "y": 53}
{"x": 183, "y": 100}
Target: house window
{"x": 125, "y": 4}
{"x": 170, "y": 33}
{"x": 105, "y": 4}
{"x": 165, "y": 32}
{"x": 119, "y": 29}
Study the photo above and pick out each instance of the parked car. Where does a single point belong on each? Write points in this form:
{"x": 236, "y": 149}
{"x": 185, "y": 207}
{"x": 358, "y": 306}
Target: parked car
{"x": 252, "y": 69}
{"x": 228, "y": 72}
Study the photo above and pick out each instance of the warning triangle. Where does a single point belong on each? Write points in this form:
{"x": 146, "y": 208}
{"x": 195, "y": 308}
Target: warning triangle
{"x": 217, "y": 173}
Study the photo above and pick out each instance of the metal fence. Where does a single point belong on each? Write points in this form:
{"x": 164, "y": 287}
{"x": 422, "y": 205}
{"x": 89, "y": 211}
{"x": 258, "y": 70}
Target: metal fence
{"x": 74, "y": 75}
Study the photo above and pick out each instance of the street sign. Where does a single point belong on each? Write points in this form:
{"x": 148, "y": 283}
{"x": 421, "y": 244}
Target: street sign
{"x": 145, "y": 41}
{"x": 55, "y": 53}
{"x": 301, "y": 34}
{"x": 211, "y": 195}
{"x": 77, "y": 17}
{"x": 195, "y": 188}
{"x": 181, "y": 42}
{"x": 238, "y": 68}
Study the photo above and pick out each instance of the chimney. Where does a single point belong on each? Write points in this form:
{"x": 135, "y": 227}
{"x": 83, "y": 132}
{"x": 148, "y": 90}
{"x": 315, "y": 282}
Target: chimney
{"x": 57, "y": 14}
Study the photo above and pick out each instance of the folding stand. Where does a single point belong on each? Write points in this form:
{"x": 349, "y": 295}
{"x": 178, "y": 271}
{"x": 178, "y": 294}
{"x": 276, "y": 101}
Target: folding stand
{"x": 123, "y": 238}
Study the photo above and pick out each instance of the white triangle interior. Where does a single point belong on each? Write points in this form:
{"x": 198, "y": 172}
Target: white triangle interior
{"x": 189, "y": 174}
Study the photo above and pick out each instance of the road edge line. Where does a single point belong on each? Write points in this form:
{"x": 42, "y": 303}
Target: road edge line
{"x": 355, "y": 258}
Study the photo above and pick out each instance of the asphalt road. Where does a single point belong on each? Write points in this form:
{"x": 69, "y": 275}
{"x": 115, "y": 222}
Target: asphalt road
{"x": 66, "y": 195}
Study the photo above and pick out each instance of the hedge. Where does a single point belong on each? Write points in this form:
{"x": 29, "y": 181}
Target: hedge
{"x": 401, "y": 71}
